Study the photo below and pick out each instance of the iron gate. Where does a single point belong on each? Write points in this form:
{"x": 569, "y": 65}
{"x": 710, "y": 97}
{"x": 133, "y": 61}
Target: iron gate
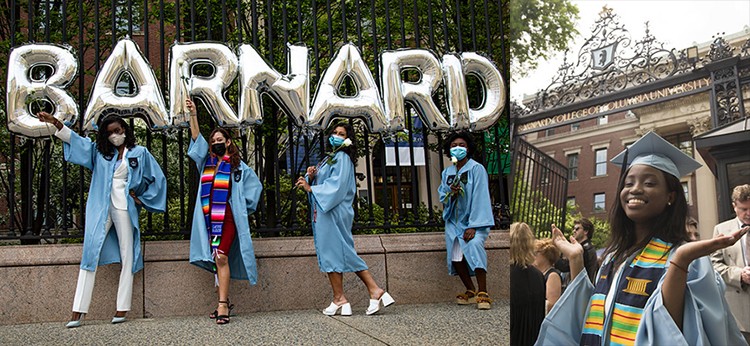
{"x": 540, "y": 188}
{"x": 45, "y": 196}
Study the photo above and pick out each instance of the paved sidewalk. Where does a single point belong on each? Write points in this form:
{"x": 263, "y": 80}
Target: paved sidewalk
{"x": 426, "y": 324}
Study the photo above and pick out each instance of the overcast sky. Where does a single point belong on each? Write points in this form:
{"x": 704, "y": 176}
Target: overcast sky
{"x": 678, "y": 24}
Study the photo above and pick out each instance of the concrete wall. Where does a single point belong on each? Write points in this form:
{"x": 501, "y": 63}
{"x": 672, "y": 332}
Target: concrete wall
{"x": 37, "y": 283}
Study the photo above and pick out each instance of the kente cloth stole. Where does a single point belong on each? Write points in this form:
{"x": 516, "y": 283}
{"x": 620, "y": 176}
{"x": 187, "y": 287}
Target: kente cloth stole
{"x": 638, "y": 281}
{"x": 214, "y": 194}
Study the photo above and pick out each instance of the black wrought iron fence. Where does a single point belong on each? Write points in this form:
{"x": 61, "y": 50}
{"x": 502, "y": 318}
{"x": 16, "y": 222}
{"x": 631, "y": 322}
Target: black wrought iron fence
{"x": 540, "y": 188}
{"x": 44, "y": 197}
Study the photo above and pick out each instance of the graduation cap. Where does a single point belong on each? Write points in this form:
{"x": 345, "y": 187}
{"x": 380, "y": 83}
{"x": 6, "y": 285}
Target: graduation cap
{"x": 654, "y": 151}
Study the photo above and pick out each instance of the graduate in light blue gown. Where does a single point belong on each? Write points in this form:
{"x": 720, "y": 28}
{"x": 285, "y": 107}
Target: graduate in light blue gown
{"x": 224, "y": 202}
{"x": 653, "y": 288}
{"x": 467, "y": 212}
{"x": 332, "y": 189}
{"x": 124, "y": 179}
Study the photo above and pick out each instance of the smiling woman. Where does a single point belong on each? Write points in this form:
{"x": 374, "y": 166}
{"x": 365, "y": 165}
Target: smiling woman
{"x": 650, "y": 276}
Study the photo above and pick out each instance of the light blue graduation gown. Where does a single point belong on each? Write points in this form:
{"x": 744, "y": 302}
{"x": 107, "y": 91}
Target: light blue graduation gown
{"x": 472, "y": 210}
{"x": 333, "y": 191}
{"x": 706, "y": 318}
{"x": 145, "y": 178}
{"x": 243, "y": 201}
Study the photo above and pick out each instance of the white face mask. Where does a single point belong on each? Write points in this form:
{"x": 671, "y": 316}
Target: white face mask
{"x": 116, "y": 139}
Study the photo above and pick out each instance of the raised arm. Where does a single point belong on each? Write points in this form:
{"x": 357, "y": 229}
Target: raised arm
{"x": 48, "y": 118}
{"x": 675, "y": 281}
{"x": 195, "y": 130}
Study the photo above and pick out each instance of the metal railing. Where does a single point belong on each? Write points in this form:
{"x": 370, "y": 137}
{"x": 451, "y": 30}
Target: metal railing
{"x": 45, "y": 197}
{"x": 540, "y": 188}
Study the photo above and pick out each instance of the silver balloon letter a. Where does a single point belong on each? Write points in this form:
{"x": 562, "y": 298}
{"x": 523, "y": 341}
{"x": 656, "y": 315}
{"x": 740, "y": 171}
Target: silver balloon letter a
{"x": 366, "y": 104}
{"x": 22, "y": 90}
{"x": 146, "y": 101}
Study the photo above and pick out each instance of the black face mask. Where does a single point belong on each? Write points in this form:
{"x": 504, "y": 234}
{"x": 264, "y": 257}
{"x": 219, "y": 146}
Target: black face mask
{"x": 219, "y": 149}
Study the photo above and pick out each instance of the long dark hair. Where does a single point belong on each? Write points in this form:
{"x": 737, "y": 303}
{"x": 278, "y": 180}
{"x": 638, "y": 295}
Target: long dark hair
{"x": 351, "y": 135}
{"x": 232, "y": 150}
{"x": 103, "y": 145}
{"x": 669, "y": 226}
{"x": 470, "y": 145}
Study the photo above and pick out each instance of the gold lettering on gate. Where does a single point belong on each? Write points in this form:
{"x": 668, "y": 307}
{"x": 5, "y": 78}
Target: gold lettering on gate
{"x": 617, "y": 104}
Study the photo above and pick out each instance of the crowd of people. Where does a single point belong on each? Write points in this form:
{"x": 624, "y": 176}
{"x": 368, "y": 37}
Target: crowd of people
{"x": 655, "y": 283}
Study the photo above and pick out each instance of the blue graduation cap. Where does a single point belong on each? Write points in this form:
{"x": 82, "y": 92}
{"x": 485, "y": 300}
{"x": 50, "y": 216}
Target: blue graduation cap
{"x": 654, "y": 151}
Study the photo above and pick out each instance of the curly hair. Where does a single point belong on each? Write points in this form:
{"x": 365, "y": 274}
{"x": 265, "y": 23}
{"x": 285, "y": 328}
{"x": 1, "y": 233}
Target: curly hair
{"x": 521, "y": 244}
{"x": 103, "y": 146}
{"x": 548, "y": 249}
{"x": 741, "y": 193}
{"x": 470, "y": 145}
{"x": 232, "y": 150}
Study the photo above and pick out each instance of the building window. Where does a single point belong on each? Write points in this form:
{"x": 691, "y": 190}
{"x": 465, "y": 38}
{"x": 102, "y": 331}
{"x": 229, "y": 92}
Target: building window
{"x": 601, "y": 162}
{"x": 686, "y": 191}
{"x": 122, "y": 13}
{"x": 573, "y": 167}
{"x": 571, "y": 203}
{"x": 549, "y": 132}
{"x": 599, "y": 202}
{"x": 602, "y": 120}
{"x": 49, "y": 8}
{"x": 575, "y": 127}
{"x": 683, "y": 141}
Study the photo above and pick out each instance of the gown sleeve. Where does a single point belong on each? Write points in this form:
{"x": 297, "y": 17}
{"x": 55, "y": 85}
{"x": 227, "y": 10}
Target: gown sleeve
{"x": 198, "y": 150}
{"x": 443, "y": 189}
{"x": 707, "y": 319}
{"x": 154, "y": 186}
{"x": 333, "y": 189}
{"x": 252, "y": 188}
{"x": 481, "y": 206}
{"x": 79, "y": 150}
{"x": 564, "y": 323}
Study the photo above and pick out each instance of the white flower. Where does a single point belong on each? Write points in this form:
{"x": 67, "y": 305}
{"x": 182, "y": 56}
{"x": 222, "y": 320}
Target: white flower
{"x": 184, "y": 71}
{"x": 347, "y": 142}
{"x": 454, "y": 160}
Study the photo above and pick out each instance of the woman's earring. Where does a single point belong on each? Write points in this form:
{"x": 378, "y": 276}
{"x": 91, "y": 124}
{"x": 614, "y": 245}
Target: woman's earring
{"x": 669, "y": 203}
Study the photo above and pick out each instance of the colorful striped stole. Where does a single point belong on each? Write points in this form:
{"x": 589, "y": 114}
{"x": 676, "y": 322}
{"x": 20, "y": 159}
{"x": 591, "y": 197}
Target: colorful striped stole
{"x": 214, "y": 195}
{"x": 634, "y": 287}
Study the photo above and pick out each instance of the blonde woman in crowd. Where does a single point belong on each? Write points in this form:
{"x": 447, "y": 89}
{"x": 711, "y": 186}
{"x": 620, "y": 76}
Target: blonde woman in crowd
{"x": 545, "y": 256}
{"x": 526, "y": 287}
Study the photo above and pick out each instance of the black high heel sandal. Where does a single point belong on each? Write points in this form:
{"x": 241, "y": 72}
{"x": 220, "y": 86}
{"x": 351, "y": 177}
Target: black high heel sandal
{"x": 223, "y": 319}
{"x": 216, "y": 312}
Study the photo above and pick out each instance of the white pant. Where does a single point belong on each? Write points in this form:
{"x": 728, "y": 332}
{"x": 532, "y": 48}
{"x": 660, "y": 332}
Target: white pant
{"x": 85, "y": 287}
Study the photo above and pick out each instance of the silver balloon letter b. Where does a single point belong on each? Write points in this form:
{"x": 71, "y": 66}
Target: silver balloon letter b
{"x": 22, "y": 90}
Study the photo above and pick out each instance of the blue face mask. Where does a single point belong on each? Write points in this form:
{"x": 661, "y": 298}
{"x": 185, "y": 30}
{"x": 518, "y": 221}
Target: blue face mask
{"x": 459, "y": 153}
{"x": 336, "y": 141}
